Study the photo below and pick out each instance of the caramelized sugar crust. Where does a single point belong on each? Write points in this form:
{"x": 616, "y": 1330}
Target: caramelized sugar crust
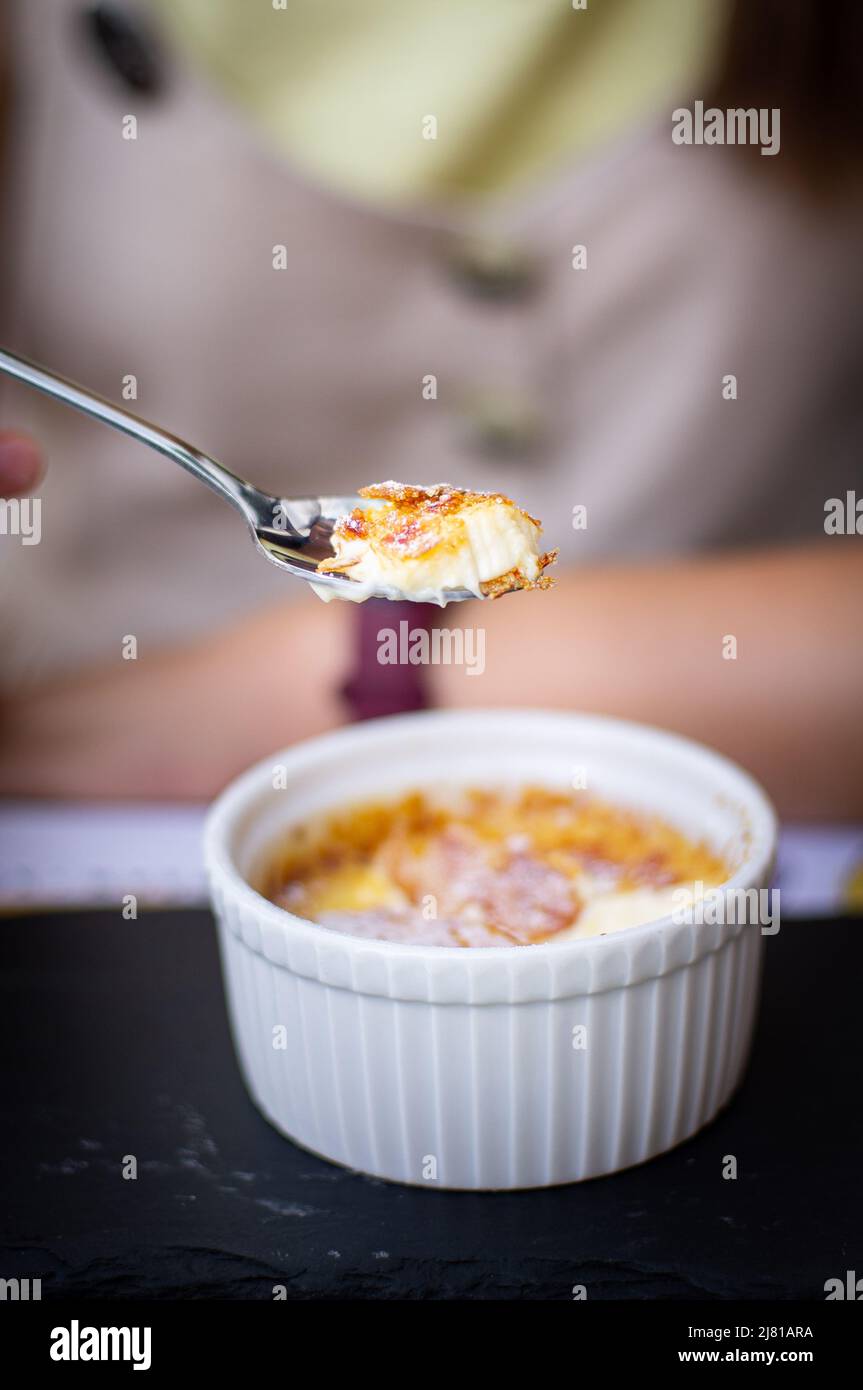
{"x": 499, "y": 867}
{"x": 419, "y": 520}
{"x": 514, "y": 579}
{"x": 442, "y": 498}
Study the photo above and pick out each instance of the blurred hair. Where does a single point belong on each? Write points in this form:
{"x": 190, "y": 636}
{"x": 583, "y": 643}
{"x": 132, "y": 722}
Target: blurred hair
{"x": 806, "y": 58}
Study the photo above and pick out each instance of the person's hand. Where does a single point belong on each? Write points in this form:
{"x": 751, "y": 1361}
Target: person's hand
{"x": 20, "y": 464}
{"x": 180, "y": 723}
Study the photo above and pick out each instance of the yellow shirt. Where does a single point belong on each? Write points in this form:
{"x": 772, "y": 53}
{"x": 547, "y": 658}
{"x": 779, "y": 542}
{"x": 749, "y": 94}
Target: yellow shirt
{"x": 401, "y": 100}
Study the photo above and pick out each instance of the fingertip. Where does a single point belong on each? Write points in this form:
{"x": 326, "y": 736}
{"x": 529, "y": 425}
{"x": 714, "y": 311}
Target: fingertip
{"x": 21, "y": 464}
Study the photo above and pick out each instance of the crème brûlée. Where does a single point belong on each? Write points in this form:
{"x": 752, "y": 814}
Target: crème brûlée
{"x": 488, "y": 867}
{"x": 423, "y": 543}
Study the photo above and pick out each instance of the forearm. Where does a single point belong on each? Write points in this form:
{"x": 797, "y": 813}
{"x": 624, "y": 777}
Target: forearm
{"x": 642, "y": 642}
{"x": 651, "y": 643}
{"x": 180, "y": 723}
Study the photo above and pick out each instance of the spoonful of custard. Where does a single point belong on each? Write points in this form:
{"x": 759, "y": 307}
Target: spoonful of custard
{"x": 437, "y": 544}
{"x": 431, "y": 544}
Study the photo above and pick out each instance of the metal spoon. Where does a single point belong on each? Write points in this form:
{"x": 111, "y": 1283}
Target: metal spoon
{"x": 293, "y": 532}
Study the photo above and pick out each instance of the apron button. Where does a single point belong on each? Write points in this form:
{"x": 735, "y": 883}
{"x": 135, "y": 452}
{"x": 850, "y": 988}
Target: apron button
{"x": 501, "y": 427}
{"x": 496, "y": 271}
{"x": 127, "y": 44}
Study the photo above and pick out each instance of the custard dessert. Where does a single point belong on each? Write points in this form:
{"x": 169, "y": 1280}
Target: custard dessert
{"x": 424, "y": 543}
{"x": 484, "y": 867}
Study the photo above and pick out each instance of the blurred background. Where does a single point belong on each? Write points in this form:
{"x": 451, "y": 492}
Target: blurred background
{"x": 339, "y": 241}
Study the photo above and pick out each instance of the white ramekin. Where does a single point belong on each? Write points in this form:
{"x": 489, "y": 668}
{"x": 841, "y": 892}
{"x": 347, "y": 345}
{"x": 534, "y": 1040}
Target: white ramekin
{"x": 468, "y": 1068}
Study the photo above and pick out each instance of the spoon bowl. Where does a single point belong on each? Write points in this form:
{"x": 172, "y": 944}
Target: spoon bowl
{"x": 294, "y": 533}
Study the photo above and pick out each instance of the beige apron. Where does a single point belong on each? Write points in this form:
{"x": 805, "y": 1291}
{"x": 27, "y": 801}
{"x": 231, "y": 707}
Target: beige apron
{"x": 597, "y": 387}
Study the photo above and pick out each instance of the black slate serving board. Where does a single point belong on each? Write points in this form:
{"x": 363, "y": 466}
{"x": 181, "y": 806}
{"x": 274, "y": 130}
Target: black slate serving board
{"x": 115, "y": 1042}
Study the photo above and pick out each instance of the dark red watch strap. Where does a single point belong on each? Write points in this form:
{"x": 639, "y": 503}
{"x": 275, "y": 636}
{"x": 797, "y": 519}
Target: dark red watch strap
{"x": 375, "y": 688}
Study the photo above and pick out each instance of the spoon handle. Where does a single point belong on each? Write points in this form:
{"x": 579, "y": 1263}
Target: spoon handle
{"x": 242, "y": 495}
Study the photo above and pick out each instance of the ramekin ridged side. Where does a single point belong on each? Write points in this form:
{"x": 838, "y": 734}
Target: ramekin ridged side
{"x": 486, "y": 1068}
